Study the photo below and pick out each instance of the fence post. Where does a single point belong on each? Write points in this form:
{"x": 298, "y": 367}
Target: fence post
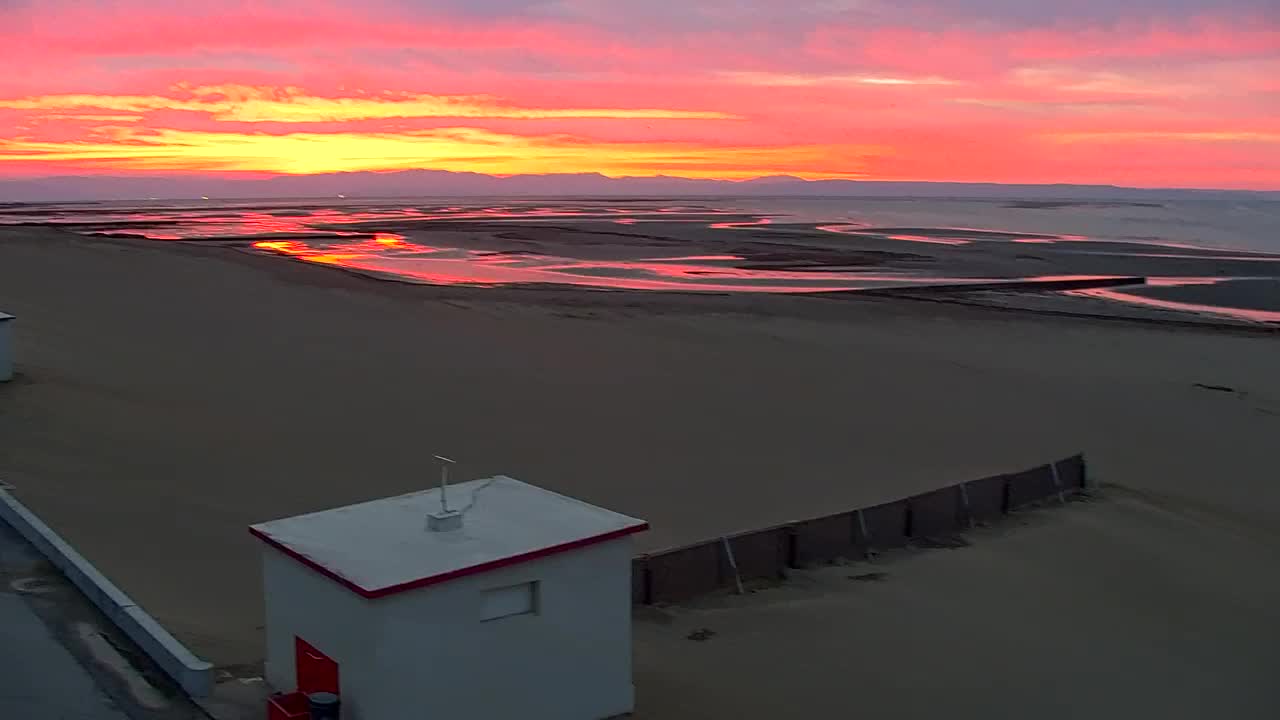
{"x": 1057, "y": 482}
{"x": 964, "y": 500}
{"x": 646, "y": 580}
{"x": 793, "y": 547}
{"x": 733, "y": 564}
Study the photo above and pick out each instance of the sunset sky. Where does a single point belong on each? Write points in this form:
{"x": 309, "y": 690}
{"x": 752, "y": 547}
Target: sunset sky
{"x": 1141, "y": 92}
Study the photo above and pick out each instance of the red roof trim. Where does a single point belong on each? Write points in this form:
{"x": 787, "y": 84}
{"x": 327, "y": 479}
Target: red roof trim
{"x": 452, "y": 574}
{"x": 309, "y": 562}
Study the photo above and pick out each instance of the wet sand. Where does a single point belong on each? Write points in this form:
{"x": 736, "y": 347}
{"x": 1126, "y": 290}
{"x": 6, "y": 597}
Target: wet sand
{"x": 169, "y": 395}
{"x": 728, "y": 245}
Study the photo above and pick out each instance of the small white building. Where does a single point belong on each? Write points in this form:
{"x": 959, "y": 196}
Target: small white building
{"x": 6, "y": 346}
{"x": 523, "y": 610}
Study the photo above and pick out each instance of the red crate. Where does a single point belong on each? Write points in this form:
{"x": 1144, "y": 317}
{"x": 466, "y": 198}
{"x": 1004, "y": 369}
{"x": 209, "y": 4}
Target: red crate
{"x": 288, "y": 706}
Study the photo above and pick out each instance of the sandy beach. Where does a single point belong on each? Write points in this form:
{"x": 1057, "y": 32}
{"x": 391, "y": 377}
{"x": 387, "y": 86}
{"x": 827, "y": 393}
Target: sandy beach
{"x": 169, "y": 395}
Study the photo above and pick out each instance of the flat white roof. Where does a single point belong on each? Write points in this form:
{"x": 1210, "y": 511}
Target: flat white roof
{"x": 383, "y": 546}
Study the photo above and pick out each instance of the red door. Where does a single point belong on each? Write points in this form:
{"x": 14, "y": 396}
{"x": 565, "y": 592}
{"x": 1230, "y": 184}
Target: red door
{"x": 317, "y": 672}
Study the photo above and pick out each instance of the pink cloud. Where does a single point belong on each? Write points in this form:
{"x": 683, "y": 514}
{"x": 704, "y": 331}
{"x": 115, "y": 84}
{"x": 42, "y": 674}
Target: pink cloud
{"x": 946, "y": 96}
{"x": 969, "y": 52}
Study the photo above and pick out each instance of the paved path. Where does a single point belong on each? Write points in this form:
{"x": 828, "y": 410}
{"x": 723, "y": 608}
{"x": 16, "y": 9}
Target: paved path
{"x": 41, "y": 680}
{"x": 39, "y": 677}
{"x": 60, "y": 659}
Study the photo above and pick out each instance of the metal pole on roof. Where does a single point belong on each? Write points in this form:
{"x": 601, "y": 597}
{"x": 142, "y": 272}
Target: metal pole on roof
{"x": 444, "y": 481}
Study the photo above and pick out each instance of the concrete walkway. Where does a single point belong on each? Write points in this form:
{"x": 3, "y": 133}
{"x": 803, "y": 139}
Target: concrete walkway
{"x": 61, "y": 660}
{"x": 41, "y": 680}
{"x": 39, "y": 677}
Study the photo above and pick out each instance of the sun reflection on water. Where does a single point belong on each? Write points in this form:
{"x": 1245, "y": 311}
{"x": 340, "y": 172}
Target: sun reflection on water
{"x": 624, "y": 244}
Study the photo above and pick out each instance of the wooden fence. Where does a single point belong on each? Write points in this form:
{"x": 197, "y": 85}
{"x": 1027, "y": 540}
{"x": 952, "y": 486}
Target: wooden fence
{"x": 686, "y": 572}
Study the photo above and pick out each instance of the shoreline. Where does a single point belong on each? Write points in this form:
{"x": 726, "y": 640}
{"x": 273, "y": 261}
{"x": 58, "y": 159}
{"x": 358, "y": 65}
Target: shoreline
{"x": 760, "y": 247}
{"x": 750, "y": 301}
{"x": 1010, "y": 296}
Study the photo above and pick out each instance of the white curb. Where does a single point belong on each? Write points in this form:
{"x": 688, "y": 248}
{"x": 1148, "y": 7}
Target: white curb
{"x": 193, "y": 674}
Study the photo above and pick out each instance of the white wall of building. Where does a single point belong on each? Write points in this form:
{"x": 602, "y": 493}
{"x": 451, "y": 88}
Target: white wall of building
{"x": 427, "y": 652}
{"x": 571, "y": 660}
{"x": 303, "y": 603}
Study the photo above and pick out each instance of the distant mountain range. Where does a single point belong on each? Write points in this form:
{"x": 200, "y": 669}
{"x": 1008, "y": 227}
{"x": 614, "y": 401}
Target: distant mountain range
{"x": 441, "y": 183}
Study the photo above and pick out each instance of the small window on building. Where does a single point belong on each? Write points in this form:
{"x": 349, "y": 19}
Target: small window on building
{"x": 511, "y": 600}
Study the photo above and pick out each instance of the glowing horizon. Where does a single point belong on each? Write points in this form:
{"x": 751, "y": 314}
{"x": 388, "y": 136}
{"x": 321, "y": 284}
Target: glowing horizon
{"x": 1161, "y": 93}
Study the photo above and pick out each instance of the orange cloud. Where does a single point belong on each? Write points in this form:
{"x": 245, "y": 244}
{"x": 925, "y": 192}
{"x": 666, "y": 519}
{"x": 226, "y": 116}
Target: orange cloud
{"x": 459, "y": 149}
{"x": 242, "y": 103}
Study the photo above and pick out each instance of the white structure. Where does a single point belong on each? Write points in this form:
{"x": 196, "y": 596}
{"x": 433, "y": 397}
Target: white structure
{"x": 521, "y": 611}
{"x": 6, "y": 347}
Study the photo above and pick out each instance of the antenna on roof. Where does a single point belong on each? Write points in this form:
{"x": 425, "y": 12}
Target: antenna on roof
{"x": 445, "y": 519}
{"x": 444, "y": 481}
